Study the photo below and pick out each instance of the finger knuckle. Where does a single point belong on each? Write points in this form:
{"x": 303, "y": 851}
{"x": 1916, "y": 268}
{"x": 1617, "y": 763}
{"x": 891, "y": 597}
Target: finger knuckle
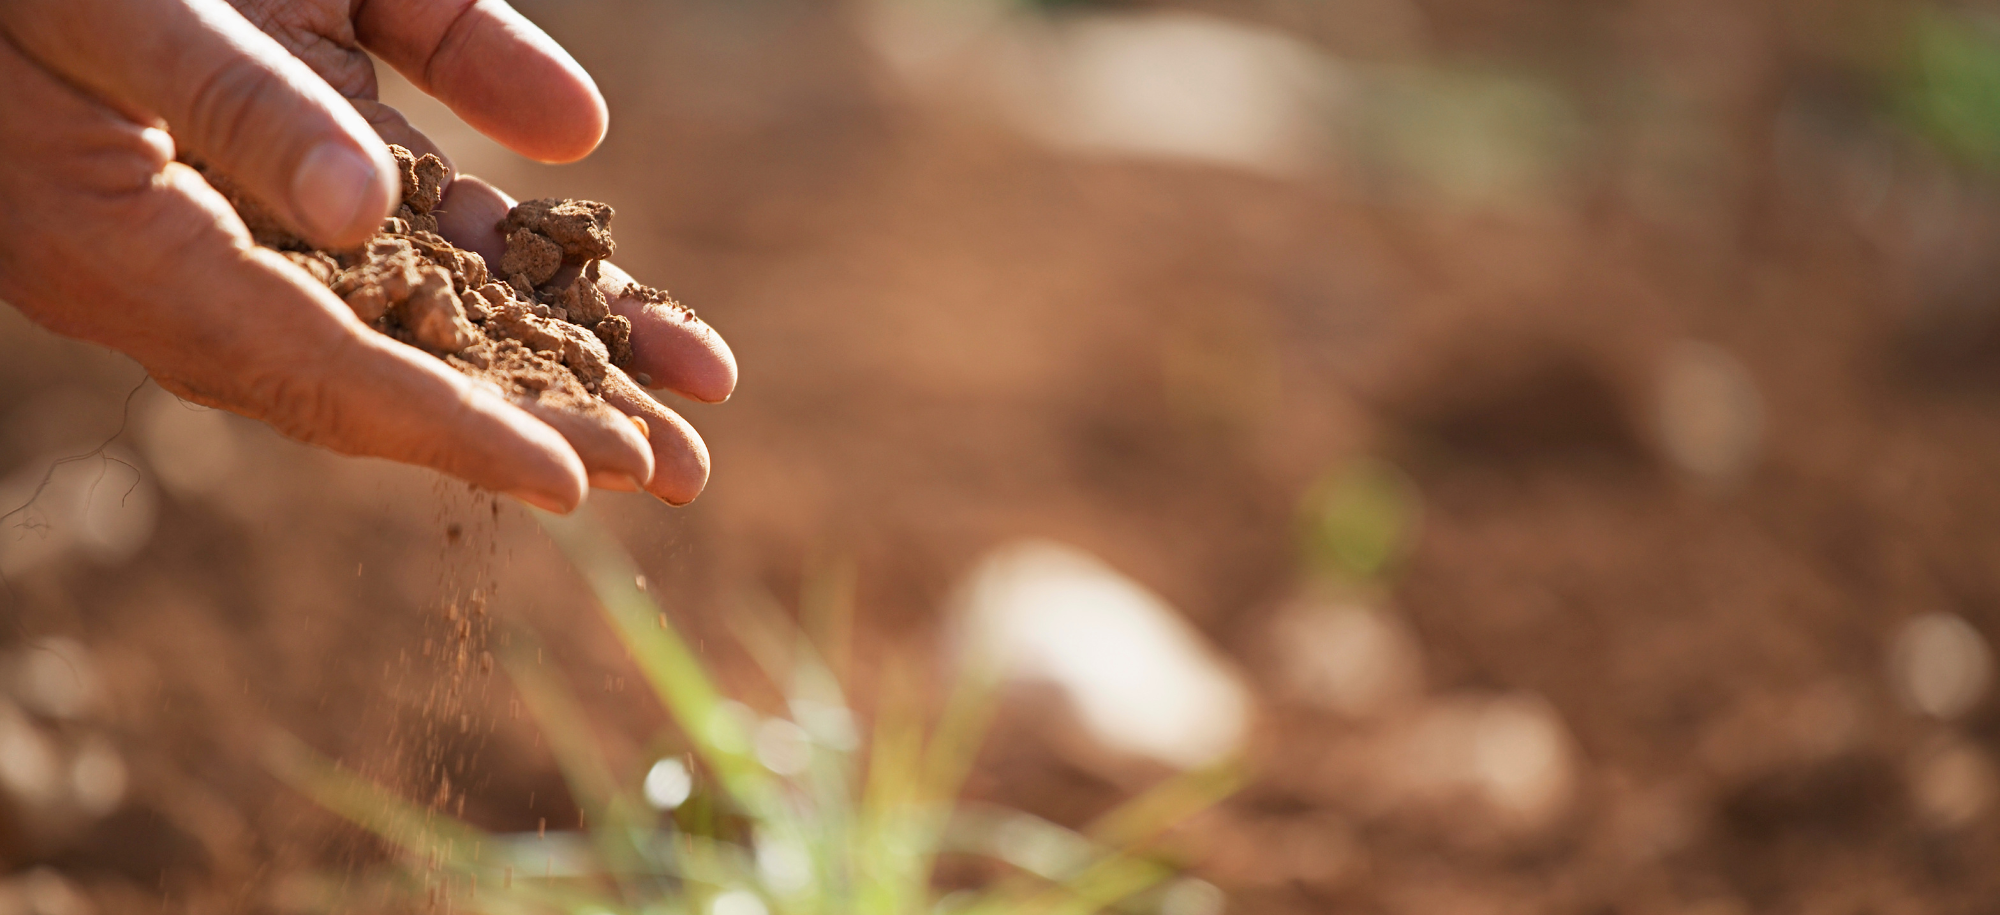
{"x": 298, "y": 408}
{"x": 301, "y": 398}
{"x": 231, "y": 104}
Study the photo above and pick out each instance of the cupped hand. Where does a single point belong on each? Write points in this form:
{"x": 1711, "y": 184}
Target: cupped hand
{"x": 108, "y": 239}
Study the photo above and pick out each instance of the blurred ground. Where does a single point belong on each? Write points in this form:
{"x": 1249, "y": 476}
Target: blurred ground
{"x": 1674, "y": 319}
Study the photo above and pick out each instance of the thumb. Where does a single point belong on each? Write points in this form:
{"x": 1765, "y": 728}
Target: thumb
{"x": 228, "y": 92}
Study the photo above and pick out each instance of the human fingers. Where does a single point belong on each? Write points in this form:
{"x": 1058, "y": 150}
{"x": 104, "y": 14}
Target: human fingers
{"x": 151, "y": 261}
{"x": 615, "y": 454}
{"x": 241, "y": 328}
{"x": 493, "y": 68}
{"x": 393, "y": 127}
{"x": 390, "y": 401}
{"x": 277, "y": 346}
{"x": 671, "y": 347}
{"x": 229, "y": 93}
{"x": 469, "y": 216}
{"x": 680, "y": 468}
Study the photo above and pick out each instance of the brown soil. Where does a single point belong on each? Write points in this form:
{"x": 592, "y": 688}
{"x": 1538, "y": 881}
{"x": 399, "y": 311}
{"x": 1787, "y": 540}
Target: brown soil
{"x": 539, "y": 328}
{"x": 962, "y": 339}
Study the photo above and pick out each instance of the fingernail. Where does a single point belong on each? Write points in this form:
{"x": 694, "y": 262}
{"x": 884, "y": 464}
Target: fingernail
{"x": 616, "y": 482}
{"x": 541, "y": 501}
{"x": 331, "y": 186}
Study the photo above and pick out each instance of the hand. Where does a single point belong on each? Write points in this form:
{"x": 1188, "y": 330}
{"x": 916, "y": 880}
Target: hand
{"x": 109, "y": 240}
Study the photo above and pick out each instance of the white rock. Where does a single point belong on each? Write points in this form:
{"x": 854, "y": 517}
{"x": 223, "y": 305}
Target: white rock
{"x": 1140, "y": 678}
{"x": 1940, "y": 665}
{"x": 1181, "y": 86}
{"x": 1157, "y": 85}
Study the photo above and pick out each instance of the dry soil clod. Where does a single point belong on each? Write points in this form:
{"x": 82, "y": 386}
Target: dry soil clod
{"x": 540, "y": 328}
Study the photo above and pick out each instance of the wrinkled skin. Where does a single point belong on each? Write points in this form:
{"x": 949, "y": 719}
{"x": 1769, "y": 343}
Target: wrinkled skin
{"x": 107, "y": 238}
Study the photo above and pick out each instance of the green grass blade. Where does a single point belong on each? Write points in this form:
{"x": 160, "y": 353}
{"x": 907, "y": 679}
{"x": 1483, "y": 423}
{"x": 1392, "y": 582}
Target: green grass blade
{"x": 825, "y": 823}
{"x": 826, "y": 612}
{"x": 891, "y": 818}
{"x": 419, "y": 833}
{"x": 616, "y": 818}
{"x": 1145, "y": 817}
{"x": 676, "y": 675}
{"x": 424, "y": 836}
{"x": 1116, "y": 873}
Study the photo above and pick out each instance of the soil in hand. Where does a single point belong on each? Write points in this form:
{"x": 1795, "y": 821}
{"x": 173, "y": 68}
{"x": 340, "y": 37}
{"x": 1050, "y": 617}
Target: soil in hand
{"x": 539, "y": 327}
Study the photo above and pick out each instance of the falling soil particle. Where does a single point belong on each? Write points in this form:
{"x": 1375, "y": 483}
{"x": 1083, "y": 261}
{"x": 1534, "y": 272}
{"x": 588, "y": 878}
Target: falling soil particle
{"x": 540, "y": 329}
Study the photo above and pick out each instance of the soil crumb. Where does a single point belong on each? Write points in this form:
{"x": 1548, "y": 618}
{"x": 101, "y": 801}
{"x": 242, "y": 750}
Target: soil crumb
{"x": 539, "y": 328}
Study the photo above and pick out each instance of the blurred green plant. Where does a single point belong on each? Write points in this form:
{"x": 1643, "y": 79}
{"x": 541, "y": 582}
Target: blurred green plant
{"x": 1952, "y": 92}
{"x": 1357, "y": 521}
{"x": 793, "y": 814}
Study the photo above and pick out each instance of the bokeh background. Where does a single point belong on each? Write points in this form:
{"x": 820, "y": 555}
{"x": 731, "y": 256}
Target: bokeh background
{"x": 1554, "y": 443}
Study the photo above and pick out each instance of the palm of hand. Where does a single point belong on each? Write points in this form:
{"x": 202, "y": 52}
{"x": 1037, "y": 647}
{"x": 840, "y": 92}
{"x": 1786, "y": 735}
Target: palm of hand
{"x": 123, "y": 247}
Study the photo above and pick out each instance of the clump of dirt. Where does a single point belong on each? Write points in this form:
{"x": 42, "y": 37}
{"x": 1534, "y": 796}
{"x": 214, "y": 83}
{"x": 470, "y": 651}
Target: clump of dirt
{"x": 539, "y": 327}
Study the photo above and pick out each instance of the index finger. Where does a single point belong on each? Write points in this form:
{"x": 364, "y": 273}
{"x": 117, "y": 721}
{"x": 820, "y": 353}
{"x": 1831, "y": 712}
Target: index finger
{"x": 493, "y": 68}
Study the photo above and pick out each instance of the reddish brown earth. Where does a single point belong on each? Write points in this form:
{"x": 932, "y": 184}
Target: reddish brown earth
{"x": 953, "y": 338}
{"x": 537, "y": 327}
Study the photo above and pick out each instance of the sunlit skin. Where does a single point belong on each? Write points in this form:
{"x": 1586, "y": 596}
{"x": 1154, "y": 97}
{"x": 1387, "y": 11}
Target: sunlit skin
{"x": 108, "y": 239}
